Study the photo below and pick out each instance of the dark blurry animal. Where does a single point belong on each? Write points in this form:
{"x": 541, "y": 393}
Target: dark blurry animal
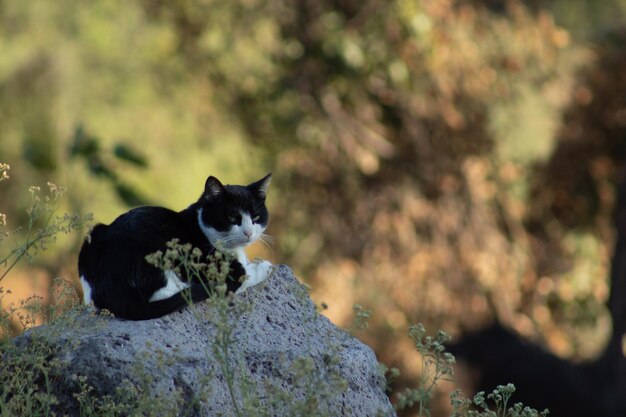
{"x": 542, "y": 379}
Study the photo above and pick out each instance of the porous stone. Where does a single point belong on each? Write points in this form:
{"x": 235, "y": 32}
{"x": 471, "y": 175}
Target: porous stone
{"x": 284, "y": 358}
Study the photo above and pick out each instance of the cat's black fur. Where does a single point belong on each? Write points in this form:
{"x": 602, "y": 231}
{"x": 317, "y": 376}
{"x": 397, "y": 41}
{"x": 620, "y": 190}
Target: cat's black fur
{"x": 112, "y": 260}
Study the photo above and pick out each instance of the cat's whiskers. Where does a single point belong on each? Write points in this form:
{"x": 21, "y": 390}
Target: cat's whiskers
{"x": 267, "y": 240}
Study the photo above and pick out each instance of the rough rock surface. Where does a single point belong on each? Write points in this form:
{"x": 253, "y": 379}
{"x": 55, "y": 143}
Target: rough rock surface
{"x": 285, "y": 358}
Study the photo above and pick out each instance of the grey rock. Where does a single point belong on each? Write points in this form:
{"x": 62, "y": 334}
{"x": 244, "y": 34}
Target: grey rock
{"x": 284, "y": 360}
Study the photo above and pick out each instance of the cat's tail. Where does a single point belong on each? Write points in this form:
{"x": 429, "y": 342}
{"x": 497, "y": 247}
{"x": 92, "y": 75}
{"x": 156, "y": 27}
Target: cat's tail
{"x": 155, "y": 309}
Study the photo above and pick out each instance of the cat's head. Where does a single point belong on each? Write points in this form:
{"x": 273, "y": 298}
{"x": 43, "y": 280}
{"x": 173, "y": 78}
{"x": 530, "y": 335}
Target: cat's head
{"x": 233, "y": 216}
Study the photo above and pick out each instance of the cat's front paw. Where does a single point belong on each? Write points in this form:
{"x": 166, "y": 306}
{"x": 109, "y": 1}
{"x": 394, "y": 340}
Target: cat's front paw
{"x": 256, "y": 272}
{"x": 263, "y": 269}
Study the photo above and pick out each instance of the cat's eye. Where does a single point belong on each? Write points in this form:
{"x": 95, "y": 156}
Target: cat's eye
{"x": 233, "y": 219}
{"x": 256, "y": 218}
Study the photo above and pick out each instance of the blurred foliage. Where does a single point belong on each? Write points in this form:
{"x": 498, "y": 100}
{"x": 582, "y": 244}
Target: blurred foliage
{"x": 101, "y": 164}
{"x": 440, "y": 161}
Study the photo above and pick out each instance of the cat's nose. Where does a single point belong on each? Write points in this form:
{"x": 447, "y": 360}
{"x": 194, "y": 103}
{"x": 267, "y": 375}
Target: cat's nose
{"x": 247, "y": 233}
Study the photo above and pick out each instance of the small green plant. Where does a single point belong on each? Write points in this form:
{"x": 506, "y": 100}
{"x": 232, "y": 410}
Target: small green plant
{"x": 27, "y": 378}
{"x": 361, "y": 319}
{"x": 41, "y": 231}
{"x": 185, "y": 260}
{"x": 479, "y": 405}
{"x": 437, "y": 365}
{"x": 132, "y": 398}
{"x": 43, "y": 225}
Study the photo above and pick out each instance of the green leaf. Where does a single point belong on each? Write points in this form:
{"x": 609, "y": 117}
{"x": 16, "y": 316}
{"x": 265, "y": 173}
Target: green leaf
{"x": 126, "y": 153}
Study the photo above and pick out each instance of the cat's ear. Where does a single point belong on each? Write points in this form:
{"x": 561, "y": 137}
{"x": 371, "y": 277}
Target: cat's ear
{"x": 213, "y": 188}
{"x": 260, "y": 187}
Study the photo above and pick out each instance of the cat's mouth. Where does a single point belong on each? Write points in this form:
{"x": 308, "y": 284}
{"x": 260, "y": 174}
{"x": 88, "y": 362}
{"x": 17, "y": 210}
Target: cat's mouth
{"x": 247, "y": 240}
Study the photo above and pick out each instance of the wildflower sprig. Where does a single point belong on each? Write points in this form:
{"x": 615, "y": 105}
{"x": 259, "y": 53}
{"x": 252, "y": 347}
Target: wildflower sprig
{"x": 190, "y": 263}
{"x": 43, "y": 225}
{"x": 4, "y": 168}
{"x": 480, "y": 406}
{"x": 437, "y": 365}
{"x": 361, "y": 319}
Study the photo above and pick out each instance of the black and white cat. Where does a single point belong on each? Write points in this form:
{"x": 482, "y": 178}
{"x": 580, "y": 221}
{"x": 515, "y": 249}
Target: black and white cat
{"x": 112, "y": 266}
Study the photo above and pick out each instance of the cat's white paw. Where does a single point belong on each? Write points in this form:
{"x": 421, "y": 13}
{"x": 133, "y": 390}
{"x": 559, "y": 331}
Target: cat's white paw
{"x": 256, "y": 272}
{"x": 264, "y": 270}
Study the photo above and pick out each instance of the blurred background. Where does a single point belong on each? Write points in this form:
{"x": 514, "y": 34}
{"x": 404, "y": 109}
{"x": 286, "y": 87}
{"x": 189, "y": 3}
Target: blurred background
{"x": 447, "y": 162}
